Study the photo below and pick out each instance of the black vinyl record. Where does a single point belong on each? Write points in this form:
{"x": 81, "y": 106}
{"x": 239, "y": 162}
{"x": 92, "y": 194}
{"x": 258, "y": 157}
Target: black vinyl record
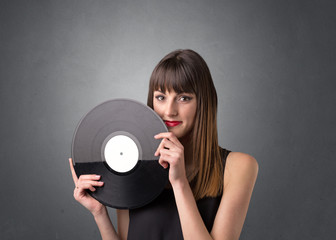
{"x": 116, "y": 140}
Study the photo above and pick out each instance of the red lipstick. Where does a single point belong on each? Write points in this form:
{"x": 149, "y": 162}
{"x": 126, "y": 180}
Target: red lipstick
{"x": 172, "y": 123}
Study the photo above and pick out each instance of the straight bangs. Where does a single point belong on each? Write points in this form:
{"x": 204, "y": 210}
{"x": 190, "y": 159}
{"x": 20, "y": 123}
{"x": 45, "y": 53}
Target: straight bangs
{"x": 173, "y": 76}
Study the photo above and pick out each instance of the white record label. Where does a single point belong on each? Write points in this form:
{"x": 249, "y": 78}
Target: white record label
{"x": 121, "y": 153}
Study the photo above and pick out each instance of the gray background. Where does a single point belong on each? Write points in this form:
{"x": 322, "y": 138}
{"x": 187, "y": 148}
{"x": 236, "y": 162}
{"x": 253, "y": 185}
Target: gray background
{"x": 273, "y": 64}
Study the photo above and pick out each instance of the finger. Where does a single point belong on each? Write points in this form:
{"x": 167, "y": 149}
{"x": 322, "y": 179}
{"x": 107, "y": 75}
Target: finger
{"x": 169, "y": 145}
{"x": 169, "y": 156}
{"x": 165, "y": 144}
{"x": 164, "y": 135}
{"x": 89, "y": 184}
{"x": 164, "y": 160}
{"x": 73, "y": 173}
{"x": 89, "y": 177}
{"x": 166, "y": 152}
{"x": 161, "y": 145}
{"x": 170, "y": 136}
{"x": 82, "y": 190}
{"x": 163, "y": 163}
{"x": 165, "y": 156}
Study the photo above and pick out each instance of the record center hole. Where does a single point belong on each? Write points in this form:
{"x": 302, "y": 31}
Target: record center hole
{"x": 121, "y": 154}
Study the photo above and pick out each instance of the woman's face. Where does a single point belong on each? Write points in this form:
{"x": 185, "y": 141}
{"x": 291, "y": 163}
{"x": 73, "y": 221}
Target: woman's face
{"x": 178, "y": 111}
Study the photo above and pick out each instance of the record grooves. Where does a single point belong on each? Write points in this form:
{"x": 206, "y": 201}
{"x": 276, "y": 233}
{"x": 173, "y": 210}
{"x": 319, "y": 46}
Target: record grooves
{"x": 134, "y": 192}
{"x": 116, "y": 141}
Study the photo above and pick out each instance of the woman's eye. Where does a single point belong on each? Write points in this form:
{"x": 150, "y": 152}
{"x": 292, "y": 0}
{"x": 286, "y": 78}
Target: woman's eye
{"x": 185, "y": 98}
{"x": 160, "y": 98}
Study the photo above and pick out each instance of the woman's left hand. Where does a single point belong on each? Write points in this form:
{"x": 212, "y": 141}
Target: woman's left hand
{"x": 171, "y": 152}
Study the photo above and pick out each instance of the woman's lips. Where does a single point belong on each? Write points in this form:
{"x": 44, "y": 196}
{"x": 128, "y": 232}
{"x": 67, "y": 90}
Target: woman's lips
{"x": 172, "y": 123}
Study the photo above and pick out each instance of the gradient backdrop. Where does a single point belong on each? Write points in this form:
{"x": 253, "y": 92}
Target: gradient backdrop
{"x": 274, "y": 67}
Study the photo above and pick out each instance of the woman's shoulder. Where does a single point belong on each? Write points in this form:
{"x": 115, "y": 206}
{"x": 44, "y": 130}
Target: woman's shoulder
{"x": 240, "y": 158}
{"x": 240, "y": 166}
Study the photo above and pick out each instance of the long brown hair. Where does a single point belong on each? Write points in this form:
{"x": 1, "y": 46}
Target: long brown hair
{"x": 186, "y": 71}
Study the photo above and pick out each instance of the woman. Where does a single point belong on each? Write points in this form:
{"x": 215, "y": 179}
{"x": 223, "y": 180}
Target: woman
{"x": 210, "y": 187}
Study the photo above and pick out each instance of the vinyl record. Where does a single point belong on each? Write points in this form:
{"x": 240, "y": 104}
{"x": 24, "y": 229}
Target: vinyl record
{"x": 116, "y": 140}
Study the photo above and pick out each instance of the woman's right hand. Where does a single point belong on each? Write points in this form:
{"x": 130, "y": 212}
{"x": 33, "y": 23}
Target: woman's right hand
{"x": 83, "y": 183}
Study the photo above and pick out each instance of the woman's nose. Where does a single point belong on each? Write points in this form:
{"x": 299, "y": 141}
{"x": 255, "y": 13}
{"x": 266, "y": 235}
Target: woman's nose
{"x": 171, "y": 109}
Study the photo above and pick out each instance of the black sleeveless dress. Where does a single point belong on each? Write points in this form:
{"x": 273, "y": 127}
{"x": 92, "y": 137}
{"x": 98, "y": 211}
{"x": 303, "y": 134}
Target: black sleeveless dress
{"x": 159, "y": 220}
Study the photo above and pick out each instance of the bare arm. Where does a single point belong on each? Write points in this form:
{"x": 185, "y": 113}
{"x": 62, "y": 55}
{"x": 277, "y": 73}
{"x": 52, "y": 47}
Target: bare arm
{"x": 240, "y": 176}
{"x": 123, "y": 222}
{"x": 105, "y": 226}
